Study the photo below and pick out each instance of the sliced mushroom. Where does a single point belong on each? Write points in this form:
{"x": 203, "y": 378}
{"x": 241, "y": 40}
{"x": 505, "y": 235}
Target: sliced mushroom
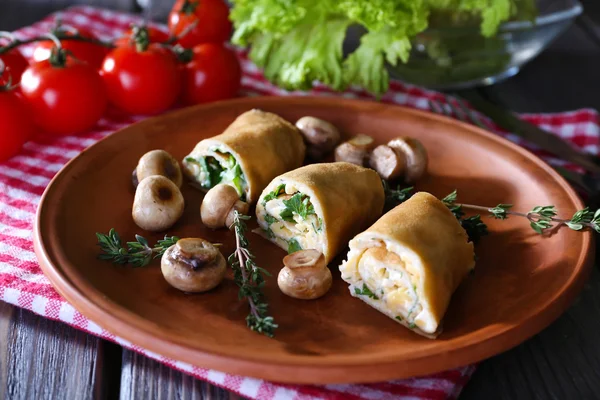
{"x": 415, "y": 155}
{"x": 157, "y": 162}
{"x": 355, "y": 150}
{"x": 388, "y": 162}
{"x": 305, "y": 275}
{"x": 157, "y": 204}
{"x": 218, "y": 206}
{"x": 320, "y": 136}
{"x": 193, "y": 265}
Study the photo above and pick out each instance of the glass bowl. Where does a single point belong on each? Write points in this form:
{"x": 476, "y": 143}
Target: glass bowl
{"x": 457, "y": 56}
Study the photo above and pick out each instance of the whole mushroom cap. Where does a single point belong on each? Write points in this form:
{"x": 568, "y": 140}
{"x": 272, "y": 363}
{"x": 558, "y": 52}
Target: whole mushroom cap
{"x": 218, "y": 204}
{"x": 158, "y": 204}
{"x": 305, "y": 275}
{"x": 158, "y": 162}
{"x": 193, "y": 265}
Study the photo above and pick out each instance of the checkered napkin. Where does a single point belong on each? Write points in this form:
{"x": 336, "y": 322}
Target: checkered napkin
{"x": 24, "y": 178}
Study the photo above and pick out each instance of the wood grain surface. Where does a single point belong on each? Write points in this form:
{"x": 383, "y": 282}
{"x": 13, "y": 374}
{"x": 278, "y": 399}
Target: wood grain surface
{"x": 559, "y": 363}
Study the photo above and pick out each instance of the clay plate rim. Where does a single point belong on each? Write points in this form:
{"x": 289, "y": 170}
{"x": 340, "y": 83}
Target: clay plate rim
{"x": 137, "y": 330}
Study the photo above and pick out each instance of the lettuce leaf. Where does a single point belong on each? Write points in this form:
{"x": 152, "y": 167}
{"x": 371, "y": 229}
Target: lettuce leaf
{"x": 300, "y": 42}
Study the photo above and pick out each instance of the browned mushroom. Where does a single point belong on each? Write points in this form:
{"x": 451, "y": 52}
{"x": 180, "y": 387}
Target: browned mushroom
{"x": 305, "y": 275}
{"x": 320, "y": 136}
{"x": 388, "y": 162}
{"x": 218, "y": 206}
{"x": 157, "y": 204}
{"x": 416, "y": 157}
{"x": 193, "y": 265}
{"x": 157, "y": 162}
{"x": 355, "y": 150}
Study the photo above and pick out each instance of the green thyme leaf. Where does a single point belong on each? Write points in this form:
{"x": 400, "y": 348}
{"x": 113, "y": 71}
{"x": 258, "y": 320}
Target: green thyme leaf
{"x": 475, "y": 228}
{"x": 394, "y": 197}
{"x": 544, "y": 211}
{"x": 499, "y": 212}
{"x": 540, "y": 225}
{"x": 450, "y": 199}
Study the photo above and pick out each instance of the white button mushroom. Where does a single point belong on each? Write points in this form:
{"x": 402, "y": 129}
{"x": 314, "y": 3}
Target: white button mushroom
{"x": 193, "y": 265}
{"x": 388, "y": 162}
{"x": 218, "y": 206}
{"x": 157, "y": 162}
{"x": 305, "y": 275}
{"x": 355, "y": 150}
{"x": 320, "y": 136}
{"x": 158, "y": 204}
{"x": 416, "y": 157}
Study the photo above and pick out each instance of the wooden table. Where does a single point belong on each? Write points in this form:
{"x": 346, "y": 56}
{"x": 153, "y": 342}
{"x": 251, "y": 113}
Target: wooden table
{"x": 42, "y": 359}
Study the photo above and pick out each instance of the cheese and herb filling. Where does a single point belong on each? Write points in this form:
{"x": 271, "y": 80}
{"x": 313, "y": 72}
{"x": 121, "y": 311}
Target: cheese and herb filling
{"x": 217, "y": 166}
{"x": 288, "y": 218}
{"x": 385, "y": 279}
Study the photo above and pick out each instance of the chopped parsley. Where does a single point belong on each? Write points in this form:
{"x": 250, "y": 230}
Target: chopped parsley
{"x": 293, "y": 246}
{"x": 274, "y": 194}
{"x": 399, "y": 318}
{"x": 269, "y": 233}
{"x": 299, "y": 204}
{"x": 270, "y": 219}
{"x": 365, "y": 292}
{"x": 412, "y": 325}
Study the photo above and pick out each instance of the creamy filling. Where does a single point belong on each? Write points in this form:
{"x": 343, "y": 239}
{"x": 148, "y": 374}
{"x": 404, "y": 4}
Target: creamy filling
{"x": 291, "y": 220}
{"x": 391, "y": 280}
{"x": 218, "y": 167}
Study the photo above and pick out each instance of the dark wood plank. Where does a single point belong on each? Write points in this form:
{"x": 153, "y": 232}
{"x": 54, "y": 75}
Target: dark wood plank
{"x": 143, "y": 378}
{"x": 44, "y": 359}
{"x": 6, "y": 311}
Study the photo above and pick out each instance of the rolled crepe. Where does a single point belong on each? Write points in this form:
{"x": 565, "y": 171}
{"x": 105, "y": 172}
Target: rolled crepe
{"x": 410, "y": 262}
{"x": 254, "y": 149}
{"x": 320, "y": 206}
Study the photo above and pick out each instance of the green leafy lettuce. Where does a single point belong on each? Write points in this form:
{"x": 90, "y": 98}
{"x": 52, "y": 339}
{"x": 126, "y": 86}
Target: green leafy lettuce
{"x": 298, "y": 42}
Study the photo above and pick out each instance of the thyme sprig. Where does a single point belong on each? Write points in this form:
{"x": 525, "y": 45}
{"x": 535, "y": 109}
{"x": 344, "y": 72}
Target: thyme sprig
{"x": 138, "y": 253}
{"x": 249, "y": 277}
{"x": 541, "y": 218}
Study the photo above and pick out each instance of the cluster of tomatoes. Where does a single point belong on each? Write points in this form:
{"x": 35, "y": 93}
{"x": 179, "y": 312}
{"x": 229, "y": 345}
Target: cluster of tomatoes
{"x": 72, "y": 77}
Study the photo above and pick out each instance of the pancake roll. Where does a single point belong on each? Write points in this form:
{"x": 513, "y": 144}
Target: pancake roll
{"x": 320, "y": 206}
{"x": 254, "y": 149}
{"x": 408, "y": 264}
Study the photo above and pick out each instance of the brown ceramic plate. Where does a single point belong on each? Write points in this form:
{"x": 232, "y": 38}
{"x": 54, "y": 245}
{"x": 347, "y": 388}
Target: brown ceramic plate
{"x": 522, "y": 281}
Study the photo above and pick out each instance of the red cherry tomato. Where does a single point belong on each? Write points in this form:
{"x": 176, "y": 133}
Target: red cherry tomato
{"x": 210, "y": 16}
{"x": 142, "y": 82}
{"x": 214, "y": 73}
{"x": 156, "y": 36}
{"x": 14, "y": 66}
{"x": 15, "y": 124}
{"x": 91, "y": 53}
{"x": 64, "y": 100}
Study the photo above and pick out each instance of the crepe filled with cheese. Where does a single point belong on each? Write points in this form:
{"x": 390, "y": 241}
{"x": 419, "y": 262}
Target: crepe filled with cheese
{"x": 320, "y": 206}
{"x": 254, "y": 149}
{"x": 410, "y": 262}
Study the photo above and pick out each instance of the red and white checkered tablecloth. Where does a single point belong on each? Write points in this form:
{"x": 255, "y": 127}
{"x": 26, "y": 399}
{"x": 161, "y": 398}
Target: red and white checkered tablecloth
{"x": 24, "y": 178}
